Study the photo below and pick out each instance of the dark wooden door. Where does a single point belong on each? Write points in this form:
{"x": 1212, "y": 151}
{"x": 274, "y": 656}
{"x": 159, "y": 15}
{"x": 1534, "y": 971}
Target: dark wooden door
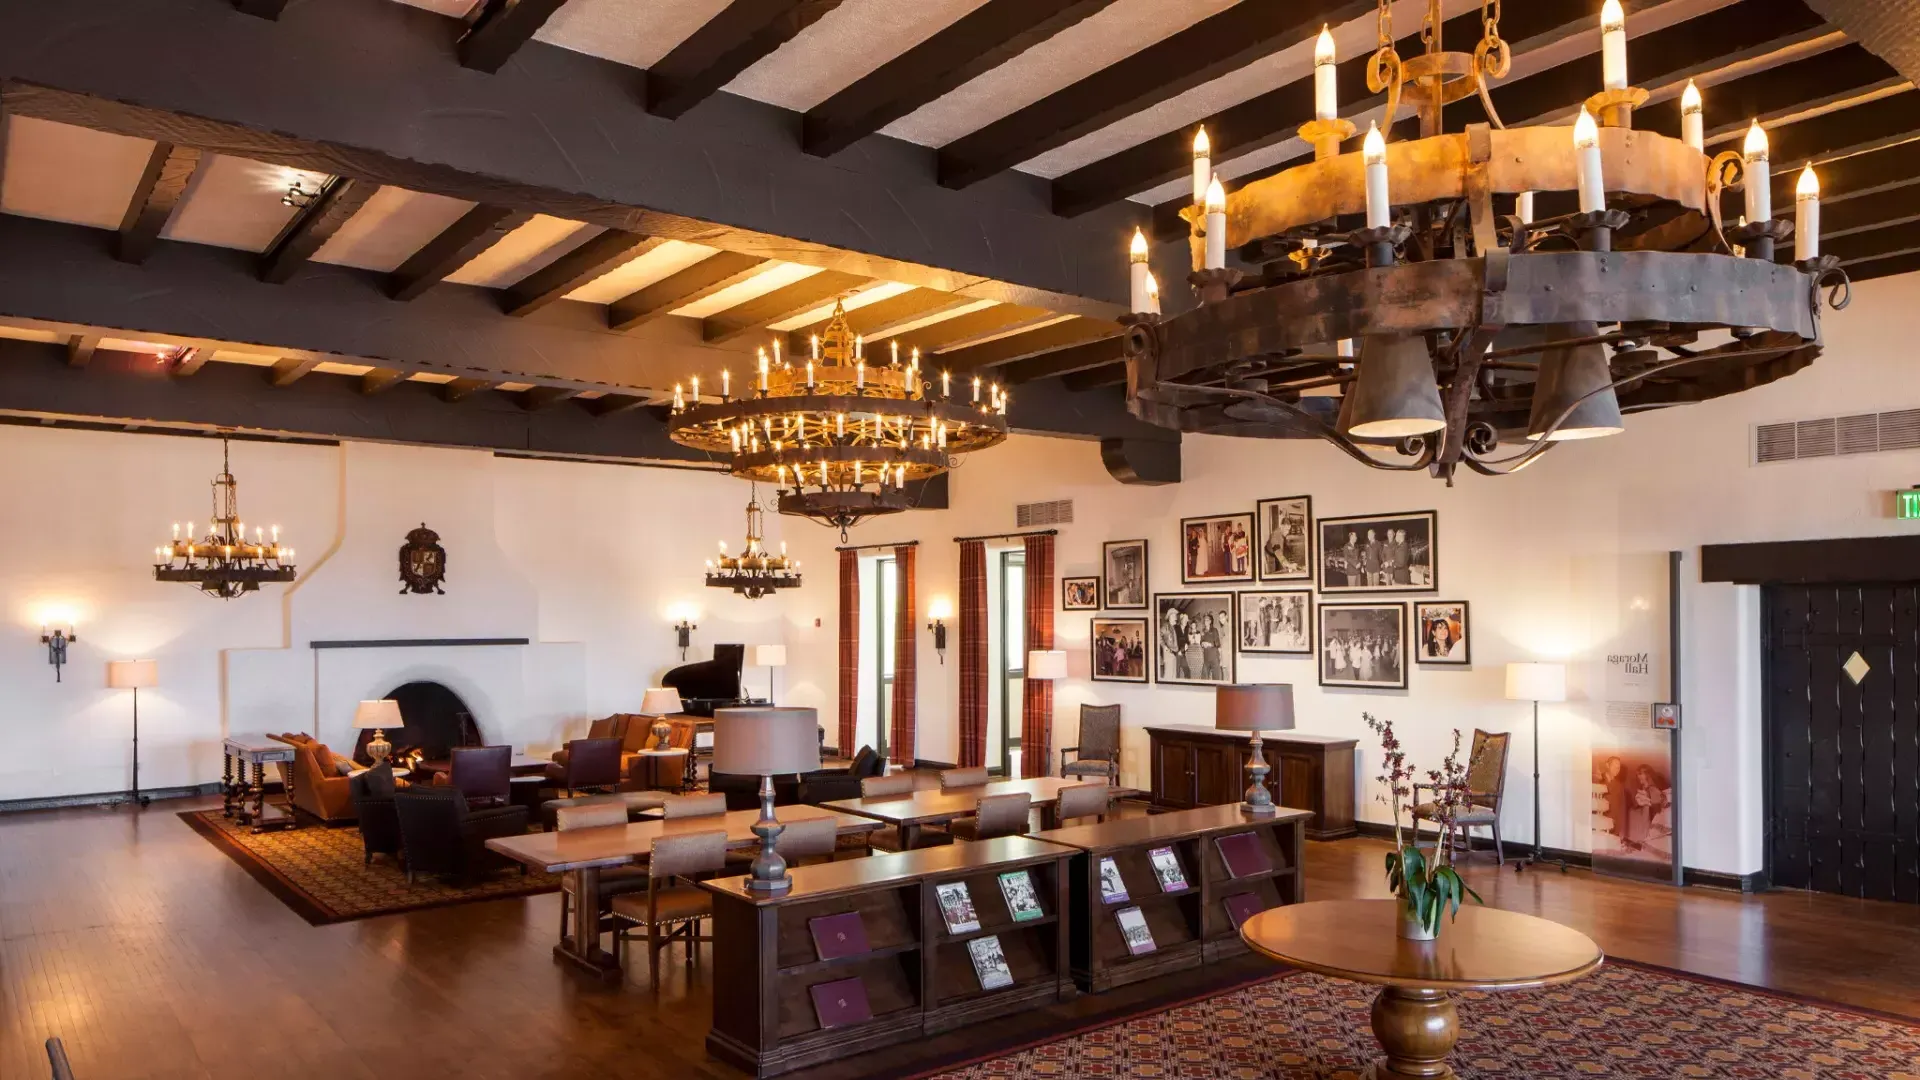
{"x": 1843, "y": 739}
{"x": 1219, "y": 777}
{"x": 1173, "y": 774}
{"x": 1295, "y": 781}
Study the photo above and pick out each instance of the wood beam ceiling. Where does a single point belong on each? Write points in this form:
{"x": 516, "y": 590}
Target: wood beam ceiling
{"x": 697, "y": 282}
{"x": 974, "y": 44}
{"x": 457, "y": 245}
{"x": 503, "y": 26}
{"x": 80, "y": 349}
{"x": 313, "y": 226}
{"x": 190, "y": 362}
{"x": 379, "y": 380}
{"x": 1886, "y": 169}
{"x": 290, "y": 370}
{"x": 1043, "y": 339}
{"x": 1869, "y": 126}
{"x": 782, "y": 303}
{"x": 588, "y": 262}
{"x": 999, "y": 318}
{"x": 1066, "y": 361}
{"x": 1822, "y": 79}
{"x": 462, "y": 389}
{"x": 742, "y": 34}
{"x": 876, "y": 319}
{"x": 169, "y": 169}
{"x": 1865, "y": 213}
{"x": 546, "y": 397}
{"x": 1218, "y": 45}
{"x": 1885, "y": 266}
{"x": 1859, "y": 247}
{"x": 265, "y": 9}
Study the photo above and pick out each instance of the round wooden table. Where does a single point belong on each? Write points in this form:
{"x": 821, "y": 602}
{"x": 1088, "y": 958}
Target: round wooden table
{"x": 1413, "y": 1016}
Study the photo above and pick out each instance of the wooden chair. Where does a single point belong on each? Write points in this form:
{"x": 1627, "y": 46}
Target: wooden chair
{"x": 1099, "y": 751}
{"x": 887, "y": 837}
{"x": 1078, "y": 801}
{"x": 999, "y": 815}
{"x": 686, "y": 806}
{"x": 613, "y": 881}
{"x": 1486, "y": 781}
{"x": 875, "y": 787}
{"x": 962, "y": 778}
{"x": 671, "y": 901}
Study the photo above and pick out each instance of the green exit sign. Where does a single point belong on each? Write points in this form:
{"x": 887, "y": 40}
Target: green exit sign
{"x": 1906, "y": 504}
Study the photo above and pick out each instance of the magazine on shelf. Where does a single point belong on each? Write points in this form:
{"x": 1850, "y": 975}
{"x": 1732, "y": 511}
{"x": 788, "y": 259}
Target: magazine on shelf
{"x": 841, "y": 1002}
{"x": 839, "y": 935}
{"x": 1243, "y": 854}
{"x": 1133, "y": 927}
{"x": 1113, "y": 887}
{"x": 956, "y": 907}
{"x": 1166, "y": 867}
{"x": 1243, "y": 906}
{"x": 990, "y": 962}
{"x": 1023, "y": 903}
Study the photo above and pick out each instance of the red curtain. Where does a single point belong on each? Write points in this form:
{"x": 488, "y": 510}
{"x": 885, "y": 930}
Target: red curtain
{"x": 900, "y": 747}
{"x": 973, "y": 654}
{"x": 1036, "y": 714}
{"x": 849, "y": 649}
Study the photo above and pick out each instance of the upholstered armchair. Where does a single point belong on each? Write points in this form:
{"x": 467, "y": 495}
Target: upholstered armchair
{"x": 484, "y": 774}
{"x": 590, "y": 764}
{"x": 1099, "y": 751}
{"x": 1486, "y": 781}
{"x": 373, "y": 792}
{"x": 630, "y": 729}
{"x": 317, "y": 778}
{"x": 440, "y": 835}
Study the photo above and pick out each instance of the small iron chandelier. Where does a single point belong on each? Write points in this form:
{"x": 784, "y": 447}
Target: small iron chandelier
{"x": 753, "y": 573}
{"x": 224, "y": 563}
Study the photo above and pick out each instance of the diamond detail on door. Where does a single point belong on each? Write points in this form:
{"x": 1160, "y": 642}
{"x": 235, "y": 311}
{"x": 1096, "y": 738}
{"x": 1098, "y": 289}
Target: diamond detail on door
{"x": 1855, "y": 667}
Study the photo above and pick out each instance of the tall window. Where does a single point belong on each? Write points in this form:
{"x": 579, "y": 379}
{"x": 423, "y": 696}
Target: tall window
{"x": 885, "y": 604}
{"x": 1012, "y": 660}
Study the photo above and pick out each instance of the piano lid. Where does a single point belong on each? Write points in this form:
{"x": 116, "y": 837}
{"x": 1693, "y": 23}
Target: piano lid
{"x": 707, "y": 684}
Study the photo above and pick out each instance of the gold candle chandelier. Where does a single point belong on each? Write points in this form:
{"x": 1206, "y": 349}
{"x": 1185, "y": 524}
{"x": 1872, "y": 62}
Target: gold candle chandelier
{"x": 754, "y": 572}
{"x": 225, "y": 562}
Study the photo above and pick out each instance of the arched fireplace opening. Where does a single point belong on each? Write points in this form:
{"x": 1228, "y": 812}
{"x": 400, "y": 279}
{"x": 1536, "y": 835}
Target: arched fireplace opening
{"x": 437, "y": 720}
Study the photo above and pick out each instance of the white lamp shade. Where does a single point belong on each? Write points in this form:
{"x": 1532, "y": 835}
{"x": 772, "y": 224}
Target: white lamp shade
{"x": 384, "y": 713}
{"x": 132, "y": 674}
{"x": 1537, "y": 682}
{"x": 660, "y": 701}
{"x": 769, "y": 656}
{"x": 765, "y": 741}
{"x": 1047, "y": 664}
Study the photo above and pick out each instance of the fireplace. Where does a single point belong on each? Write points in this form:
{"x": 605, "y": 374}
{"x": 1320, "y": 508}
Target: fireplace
{"x": 437, "y": 720}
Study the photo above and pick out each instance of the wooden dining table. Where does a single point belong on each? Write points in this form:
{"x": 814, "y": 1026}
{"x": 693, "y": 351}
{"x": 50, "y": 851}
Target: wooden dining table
{"x": 582, "y": 854}
{"x": 934, "y": 806}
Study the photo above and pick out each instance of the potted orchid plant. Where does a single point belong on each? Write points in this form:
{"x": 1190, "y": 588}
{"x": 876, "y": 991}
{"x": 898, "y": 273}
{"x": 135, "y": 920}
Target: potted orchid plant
{"x": 1425, "y": 884}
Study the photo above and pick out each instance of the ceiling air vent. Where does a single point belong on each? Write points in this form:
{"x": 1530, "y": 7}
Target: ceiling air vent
{"x": 1773, "y": 442}
{"x": 1030, "y": 515}
{"x": 1861, "y": 433}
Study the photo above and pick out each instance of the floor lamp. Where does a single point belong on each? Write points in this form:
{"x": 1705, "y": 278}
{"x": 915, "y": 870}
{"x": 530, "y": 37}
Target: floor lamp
{"x": 770, "y": 657}
{"x": 133, "y": 675}
{"x": 1537, "y": 682}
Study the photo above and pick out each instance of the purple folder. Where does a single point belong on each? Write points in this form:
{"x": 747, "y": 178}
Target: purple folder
{"x": 840, "y": 935}
{"x": 1243, "y": 906}
{"x": 841, "y": 1002}
{"x": 1243, "y": 854}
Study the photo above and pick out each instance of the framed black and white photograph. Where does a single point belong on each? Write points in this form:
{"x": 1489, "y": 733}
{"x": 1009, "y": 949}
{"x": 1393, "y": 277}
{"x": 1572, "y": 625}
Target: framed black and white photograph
{"x": 1363, "y": 645}
{"x": 1380, "y": 553}
{"x": 1080, "y": 593}
{"x": 1216, "y": 549}
{"x": 1440, "y": 632}
{"x": 1124, "y": 575}
{"x": 1285, "y": 539}
{"x": 1119, "y": 650}
{"x": 1276, "y": 621}
{"x": 1193, "y": 639}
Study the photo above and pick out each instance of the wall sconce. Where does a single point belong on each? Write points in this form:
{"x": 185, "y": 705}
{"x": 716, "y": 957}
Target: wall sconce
{"x": 939, "y": 609}
{"x": 683, "y": 635}
{"x": 56, "y": 638}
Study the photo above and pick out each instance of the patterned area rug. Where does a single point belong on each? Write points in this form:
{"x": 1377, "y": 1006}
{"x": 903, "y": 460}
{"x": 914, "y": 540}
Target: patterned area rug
{"x": 1625, "y": 1020}
{"x": 322, "y": 873}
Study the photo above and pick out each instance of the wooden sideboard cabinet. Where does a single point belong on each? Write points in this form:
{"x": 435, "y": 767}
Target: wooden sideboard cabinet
{"x": 1200, "y": 766}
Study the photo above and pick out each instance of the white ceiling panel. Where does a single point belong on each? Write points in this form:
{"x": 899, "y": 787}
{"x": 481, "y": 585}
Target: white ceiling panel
{"x": 940, "y": 317}
{"x": 392, "y": 225}
{"x": 833, "y": 53}
{"x": 236, "y": 203}
{"x": 524, "y": 250}
{"x": 872, "y": 294}
{"x": 634, "y": 32}
{"x": 667, "y": 259}
{"x": 774, "y": 277}
{"x": 67, "y": 173}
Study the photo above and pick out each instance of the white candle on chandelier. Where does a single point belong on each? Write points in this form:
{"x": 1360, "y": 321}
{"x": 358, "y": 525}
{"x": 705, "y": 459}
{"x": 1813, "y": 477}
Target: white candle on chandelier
{"x": 726, "y": 383}
{"x": 946, "y": 383}
{"x": 1758, "y": 180}
{"x": 1613, "y": 46}
{"x": 1806, "y": 217}
{"x": 976, "y": 394}
{"x": 859, "y": 346}
{"x": 1202, "y": 166}
{"x": 1137, "y": 273}
{"x": 840, "y": 425}
{"x": 1216, "y": 225}
{"x": 763, "y": 371}
{"x": 1373, "y": 152}
{"x": 176, "y": 530}
{"x": 1693, "y": 124}
{"x": 679, "y": 398}
{"x": 696, "y": 389}
{"x": 809, "y": 376}
{"x": 816, "y": 346}
{"x": 856, "y": 473}
{"x": 899, "y": 476}
{"x": 1153, "y": 295}
{"x": 893, "y": 345}
{"x": 860, "y": 374}
{"x": 1586, "y": 164}
{"x": 776, "y": 352}
{"x": 1326, "y": 95}
{"x": 1523, "y": 207}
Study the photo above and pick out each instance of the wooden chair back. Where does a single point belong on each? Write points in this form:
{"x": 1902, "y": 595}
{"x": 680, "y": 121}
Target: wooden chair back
{"x": 1100, "y": 732}
{"x": 806, "y": 838}
{"x": 874, "y": 787}
{"x": 962, "y": 778}
{"x": 687, "y": 854}
{"x": 1487, "y": 769}
{"x": 1082, "y": 800}
{"x": 1003, "y": 815}
{"x": 686, "y": 806}
{"x": 589, "y": 816}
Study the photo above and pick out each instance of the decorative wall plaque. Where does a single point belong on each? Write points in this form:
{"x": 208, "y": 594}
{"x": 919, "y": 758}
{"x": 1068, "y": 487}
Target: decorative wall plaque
{"x": 423, "y": 562}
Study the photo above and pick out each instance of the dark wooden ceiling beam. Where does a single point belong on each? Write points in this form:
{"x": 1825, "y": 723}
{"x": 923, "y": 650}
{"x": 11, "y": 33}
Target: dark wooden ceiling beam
{"x": 545, "y": 397}
{"x": 1891, "y": 206}
{"x": 312, "y": 226}
{"x": 588, "y": 262}
{"x": 612, "y": 404}
{"x": 457, "y": 245}
{"x": 80, "y": 349}
{"x": 265, "y": 9}
{"x": 742, "y": 34}
{"x": 976, "y": 43}
{"x": 697, "y": 282}
{"x": 1003, "y": 350}
{"x": 1868, "y": 126}
{"x": 1814, "y": 81}
{"x": 1885, "y": 266}
{"x": 379, "y": 380}
{"x": 782, "y": 303}
{"x": 1085, "y": 356}
{"x": 1878, "y": 243}
{"x": 1095, "y": 378}
{"x": 1210, "y": 48}
{"x": 169, "y": 170}
{"x": 291, "y": 369}
{"x": 1885, "y": 169}
{"x": 462, "y": 389}
{"x": 503, "y": 26}
{"x": 962, "y": 328}
{"x": 877, "y": 318}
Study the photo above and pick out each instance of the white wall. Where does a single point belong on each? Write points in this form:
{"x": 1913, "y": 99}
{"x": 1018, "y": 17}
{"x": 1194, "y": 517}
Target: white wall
{"x": 592, "y": 563}
{"x": 1676, "y": 480}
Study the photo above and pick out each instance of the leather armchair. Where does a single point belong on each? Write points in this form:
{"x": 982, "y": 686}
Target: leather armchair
{"x": 484, "y": 774}
{"x": 590, "y": 763}
{"x": 373, "y": 792}
{"x": 440, "y": 835}
{"x": 315, "y": 780}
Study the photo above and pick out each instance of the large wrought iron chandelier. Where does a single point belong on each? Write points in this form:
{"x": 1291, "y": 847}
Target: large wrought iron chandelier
{"x": 753, "y": 573}
{"x": 224, "y": 562}
{"x": 839, "y": 437}
{"x": 1484, "y": 338}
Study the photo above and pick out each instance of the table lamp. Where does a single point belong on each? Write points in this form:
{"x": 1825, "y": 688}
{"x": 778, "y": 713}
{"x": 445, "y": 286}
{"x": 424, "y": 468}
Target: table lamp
{"x": 770, "y": 657}
{"x": 378, "y": 715}
{"x": 660, "y": 702}
{"x": 766, "y": 741}
{"x": 1255, "y": 707}
{"x": 1537, "y": 682}
{"x": 134, "y": 675}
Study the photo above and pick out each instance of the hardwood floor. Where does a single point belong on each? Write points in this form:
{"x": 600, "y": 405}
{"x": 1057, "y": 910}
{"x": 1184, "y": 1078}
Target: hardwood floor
{"x": 153, "y": 955}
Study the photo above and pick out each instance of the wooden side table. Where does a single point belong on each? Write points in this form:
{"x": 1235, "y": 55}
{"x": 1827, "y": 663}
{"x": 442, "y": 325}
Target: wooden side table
{"x": 1414, "y": 1019}
{"x": 659, "y": 770}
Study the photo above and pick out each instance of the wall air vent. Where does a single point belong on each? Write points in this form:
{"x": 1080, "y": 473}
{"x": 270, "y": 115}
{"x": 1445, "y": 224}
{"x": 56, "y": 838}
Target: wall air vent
{"x": 1034, "y": 515}
{"x": 1861, "y": 433}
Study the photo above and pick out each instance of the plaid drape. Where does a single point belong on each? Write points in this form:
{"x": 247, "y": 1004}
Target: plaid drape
{"x": 849, "y": 649}
{"x": 973, "y": 654}
{"x": 1036, "y": 713}
{"x": 900, "y": 747}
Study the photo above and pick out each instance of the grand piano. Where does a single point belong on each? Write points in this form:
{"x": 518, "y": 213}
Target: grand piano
{"x": 707, "y": 685}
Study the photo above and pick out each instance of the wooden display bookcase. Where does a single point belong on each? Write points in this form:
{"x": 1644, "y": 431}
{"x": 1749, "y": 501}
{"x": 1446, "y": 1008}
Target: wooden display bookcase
{"x": 1190, "y": 927}
{"x": 918, "y": 977}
